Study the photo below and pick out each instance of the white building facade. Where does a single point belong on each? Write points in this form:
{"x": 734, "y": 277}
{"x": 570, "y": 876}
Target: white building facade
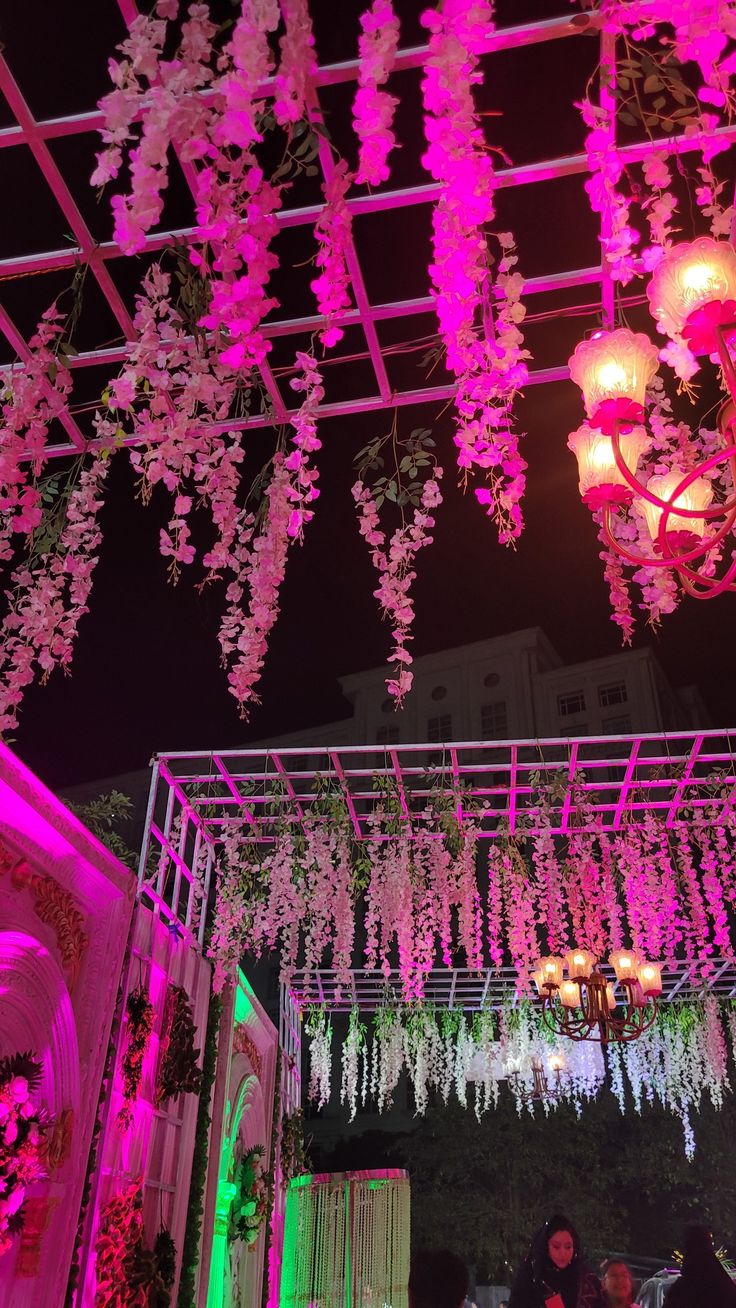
{"x": 513, "y": 687}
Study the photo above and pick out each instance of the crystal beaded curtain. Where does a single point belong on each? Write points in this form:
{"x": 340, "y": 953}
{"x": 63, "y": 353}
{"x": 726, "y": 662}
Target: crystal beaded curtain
{"x": 346, "y": 1241}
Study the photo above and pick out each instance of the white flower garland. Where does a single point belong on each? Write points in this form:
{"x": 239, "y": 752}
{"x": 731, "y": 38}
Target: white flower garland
{"x": 682, "y": 1056}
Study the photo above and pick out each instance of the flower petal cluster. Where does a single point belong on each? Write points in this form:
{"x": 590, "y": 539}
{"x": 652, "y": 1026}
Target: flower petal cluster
{"x": 373, "y": 107}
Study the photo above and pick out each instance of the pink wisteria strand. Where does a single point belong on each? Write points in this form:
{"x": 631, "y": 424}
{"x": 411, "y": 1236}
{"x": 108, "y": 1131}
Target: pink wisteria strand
{"x": 159, "y": 104}
{"x": 394, "y": 562}
{"x": 298, "y": 63}
{"x": 258, "y": 553}
{"x": 48, "y": 597}
{"x": 32, "y": 394}
{"x": 373, "y": 107}
{"x": 605, "y": 165}
{"x": 245, "y": 629}
{"x": 170, "y": 394}
{"x": 304, "y": 489}
{"x": 333, "y": 230}
{"x": 701, "y": 34}
{"x": 488, "y": 360}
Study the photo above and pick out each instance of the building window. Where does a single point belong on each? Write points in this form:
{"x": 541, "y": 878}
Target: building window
{"x": 439, "y": 692}
{"x": 494, "y": 721}
{"x": 614, "y": 693}
{"x": 618, "y": 726}
{"x": 491, "y": 679}
{"x": 572, "y": 702}
{"x": 575, "y": 729}
{"x": 439, "y": 728}
{"x": 388, "y": 735}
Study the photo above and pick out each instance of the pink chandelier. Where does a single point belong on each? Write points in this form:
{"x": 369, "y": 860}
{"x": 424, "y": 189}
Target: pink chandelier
{"x": 692, "y": 297}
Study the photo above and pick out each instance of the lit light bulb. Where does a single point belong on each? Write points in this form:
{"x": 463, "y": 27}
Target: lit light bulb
{"x": 698, "y": 278}
{"x": 611, "y": 376}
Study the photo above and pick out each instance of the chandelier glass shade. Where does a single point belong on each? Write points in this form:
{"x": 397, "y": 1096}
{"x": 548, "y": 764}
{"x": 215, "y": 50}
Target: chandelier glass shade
{"x": 613, "y": 370}
{"x": 601, "y": 481}
{"x": 692, "y": 296}
{"x": 694, "y": 285}
{"x": 584, "y": 1004}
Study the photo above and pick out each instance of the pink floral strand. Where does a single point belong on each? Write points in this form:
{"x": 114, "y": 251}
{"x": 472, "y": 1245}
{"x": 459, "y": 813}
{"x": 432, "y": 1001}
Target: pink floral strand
{"x": 589, "y": 876}
{"x": 609, "y": 893}
{"x": 298, "y": 63}
{"x": 469, "y": 906}
{"x": 30, "y": 401}
{"x": 395, "y": 567}
{"x": 490, "y": 369}
{"x": 373, "y": 108}
{"x": 606, "y": 170}
{"x": 333, "y": 230}
{"x": 306, "y": 442}
{"x": 618, "y": 588}
{"x": 494, "y": 906}
{"x": 520, "y": 904}
{"x": 50, "y": 597}
{"x": 244, "y": 637}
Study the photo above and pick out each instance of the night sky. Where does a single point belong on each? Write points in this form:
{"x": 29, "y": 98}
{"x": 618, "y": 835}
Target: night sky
{"x": 145, "y": 675}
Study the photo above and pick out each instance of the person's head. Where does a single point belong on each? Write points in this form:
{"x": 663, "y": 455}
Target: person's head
{"x": 617, "y": 1283}
{"x": 437, "y": 1279}
{"x": 698, "y": 1251}
{"x": 562, "y": 1242}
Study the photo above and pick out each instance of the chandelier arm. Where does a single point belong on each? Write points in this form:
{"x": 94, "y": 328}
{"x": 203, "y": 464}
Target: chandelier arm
{"x": 670, "y": 560}
{"x": 711, "y": 586}
{"x": 645, "y": 560}
{"x": 565, "y": 1026}
{"x": 667, "y": 506}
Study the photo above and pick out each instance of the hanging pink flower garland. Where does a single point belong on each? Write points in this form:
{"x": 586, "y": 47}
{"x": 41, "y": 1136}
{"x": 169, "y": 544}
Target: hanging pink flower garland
{"x": 395, "y": 565}
{"x": 490, "y": 369}
{"x": 333, "y": 230}
{"x": 48, "y": 598}
{"x": 30, "y": 401}
{"x": 297, "y": 65}
{"x": 373, "y": 108}
{"x": 260, "y": 558}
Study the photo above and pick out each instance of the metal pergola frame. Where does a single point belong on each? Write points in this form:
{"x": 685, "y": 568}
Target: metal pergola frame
{"x": 460, "y": 989}
{"x": 33, "y": 135}
{"x": 457, "y": 988}
{"x": 592, "y": 782}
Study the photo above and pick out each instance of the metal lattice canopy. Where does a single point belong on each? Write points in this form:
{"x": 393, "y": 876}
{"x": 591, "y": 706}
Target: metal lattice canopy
{"x": 379, "y": 329}
{"x": 197, "y": 798}
{"x": 461, "y": 989}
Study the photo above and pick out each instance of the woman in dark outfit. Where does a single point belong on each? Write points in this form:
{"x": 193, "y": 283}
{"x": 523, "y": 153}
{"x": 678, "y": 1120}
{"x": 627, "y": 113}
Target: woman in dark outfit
{"x": 704, "y": 1282}
{"x": 553, "y": 1274}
